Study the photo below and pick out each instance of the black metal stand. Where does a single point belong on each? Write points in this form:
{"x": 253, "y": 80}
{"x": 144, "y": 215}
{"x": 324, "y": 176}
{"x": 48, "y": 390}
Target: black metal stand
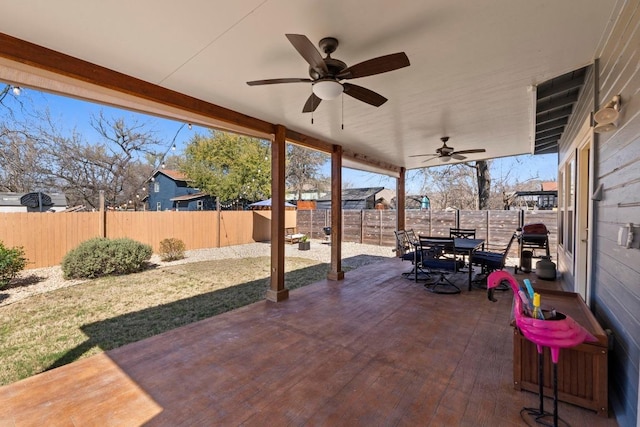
{"x": 538, "y": 414}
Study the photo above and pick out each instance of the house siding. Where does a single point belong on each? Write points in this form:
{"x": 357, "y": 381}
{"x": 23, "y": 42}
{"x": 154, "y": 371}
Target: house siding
{"x": 615, "y": 287}
{"x": 170, "y": 189}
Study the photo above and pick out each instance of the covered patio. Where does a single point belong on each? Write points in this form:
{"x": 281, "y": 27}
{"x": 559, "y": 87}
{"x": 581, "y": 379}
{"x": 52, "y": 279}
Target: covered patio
{"x": 500, "y": 78}
{"x": 375, "y": 349}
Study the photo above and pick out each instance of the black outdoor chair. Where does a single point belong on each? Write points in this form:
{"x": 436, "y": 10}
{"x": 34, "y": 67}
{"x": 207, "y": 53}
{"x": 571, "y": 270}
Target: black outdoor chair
{"x": 439, "y": 258}
{"x": 462, "y": 233}
{"x": 406, "y": 250}
{"x": 490, "y": 261}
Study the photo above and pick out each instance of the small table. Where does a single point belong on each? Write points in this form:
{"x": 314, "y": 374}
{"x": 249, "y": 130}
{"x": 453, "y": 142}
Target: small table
{"x": 469, "y": 246}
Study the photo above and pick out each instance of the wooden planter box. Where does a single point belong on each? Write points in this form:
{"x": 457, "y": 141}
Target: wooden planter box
{"x": 582, "y": 370}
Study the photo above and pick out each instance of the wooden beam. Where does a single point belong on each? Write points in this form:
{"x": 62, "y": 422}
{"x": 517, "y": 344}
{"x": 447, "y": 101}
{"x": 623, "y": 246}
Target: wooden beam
{"x": 277, "y": 292}
{"x": 376, "y": 164}
{"x": 43, "y": 58}
{"x": 309, "y": 141}
{"x": 335, "y": 272}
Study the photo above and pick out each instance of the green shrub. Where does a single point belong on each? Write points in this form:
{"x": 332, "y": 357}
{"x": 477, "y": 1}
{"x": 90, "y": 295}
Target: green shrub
{"x": 105, "y": 257}
{"x": 171, "y": 249}
{"x": 12, "y": 261}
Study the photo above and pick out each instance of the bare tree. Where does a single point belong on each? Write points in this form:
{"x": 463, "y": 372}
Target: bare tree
{"x": 115, "y": 164}
{"x": 302, "y": 170}
{"x": 22, "y": 164}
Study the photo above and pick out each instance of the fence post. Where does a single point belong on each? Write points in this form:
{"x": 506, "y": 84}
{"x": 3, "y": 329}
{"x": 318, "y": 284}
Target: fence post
{"x": 102, "y": 226}
{"x": 219, "y": 218}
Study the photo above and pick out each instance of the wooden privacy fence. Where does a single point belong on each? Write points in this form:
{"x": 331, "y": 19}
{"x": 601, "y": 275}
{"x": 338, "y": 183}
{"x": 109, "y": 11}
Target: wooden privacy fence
{"x": 377, "y": 226}
{"x": 47, "y": 237}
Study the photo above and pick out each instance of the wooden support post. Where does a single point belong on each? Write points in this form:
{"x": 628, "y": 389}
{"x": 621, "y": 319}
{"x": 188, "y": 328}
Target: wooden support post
{"x": 277, "y": 292}
{"x": 336, "y": 273}
{"x": 400, "y": 199}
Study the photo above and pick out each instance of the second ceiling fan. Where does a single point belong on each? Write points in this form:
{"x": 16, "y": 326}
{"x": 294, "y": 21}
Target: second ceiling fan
{"x": 446, "y": 153}
{"x": 326, "y": 73}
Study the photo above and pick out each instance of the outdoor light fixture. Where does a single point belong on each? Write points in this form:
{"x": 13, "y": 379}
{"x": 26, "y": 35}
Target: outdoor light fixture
{"x": 607, "y": 115}
{"x": 16, "y": 90}
{"x": 327, "y": 89}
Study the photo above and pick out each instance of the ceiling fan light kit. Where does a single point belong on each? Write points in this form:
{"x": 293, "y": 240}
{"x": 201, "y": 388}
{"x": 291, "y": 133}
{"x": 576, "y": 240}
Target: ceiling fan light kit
{"x": 327, "y": 89}
{"x": 607, "y": 115}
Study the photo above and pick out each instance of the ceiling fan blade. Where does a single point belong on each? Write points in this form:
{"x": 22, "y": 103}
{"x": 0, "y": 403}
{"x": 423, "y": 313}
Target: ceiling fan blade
{"x": 432, "y": 156}
{"x": 277, "y": 81}
{"x": 379, "y": 65}
{"x": 363, "y": 94}
{"x": 309, "y": 52}
{"x": 312, "y": 103}
{"x": 422, "y": 155}
{"x": 457, "y": 156}
{"x": 475, "y": 150}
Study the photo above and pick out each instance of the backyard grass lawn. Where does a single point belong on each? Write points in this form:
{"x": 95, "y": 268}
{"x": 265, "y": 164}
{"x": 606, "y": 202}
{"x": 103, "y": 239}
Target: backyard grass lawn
{"x": 59, "y": 327}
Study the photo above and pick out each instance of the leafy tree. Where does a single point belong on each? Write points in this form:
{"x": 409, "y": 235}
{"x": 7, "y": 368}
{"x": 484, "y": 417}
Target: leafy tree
{"x": 229, "y": 166}
{"x": 303, "y": 168}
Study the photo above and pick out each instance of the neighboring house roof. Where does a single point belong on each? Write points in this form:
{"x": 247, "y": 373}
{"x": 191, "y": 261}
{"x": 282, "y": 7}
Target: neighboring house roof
{"x": 550, "y": 186}
{"x": 193, "y": 196}
{"x": 266, "y": 204}
{"x": 355, "y": 193}
{"x": 173, "y": 174}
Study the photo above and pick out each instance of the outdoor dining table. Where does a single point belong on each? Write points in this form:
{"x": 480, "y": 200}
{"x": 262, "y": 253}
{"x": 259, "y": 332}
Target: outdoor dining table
{"x": 469, "y": 246}
{"x": 461, "y": 245}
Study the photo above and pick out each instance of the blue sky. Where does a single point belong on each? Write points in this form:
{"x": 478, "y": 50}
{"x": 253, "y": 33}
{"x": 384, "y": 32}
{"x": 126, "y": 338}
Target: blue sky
{"x": 72, "y": 113}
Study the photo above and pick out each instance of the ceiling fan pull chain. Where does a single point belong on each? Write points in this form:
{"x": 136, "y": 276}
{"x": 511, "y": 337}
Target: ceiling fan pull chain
{"x": 342, "y": 110}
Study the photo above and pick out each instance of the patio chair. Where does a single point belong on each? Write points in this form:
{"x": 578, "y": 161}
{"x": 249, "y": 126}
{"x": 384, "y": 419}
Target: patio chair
{"x": 490, "y": 261}
{"x": 462, "y": 233}
{"x": 405, "y": 250}
{"x": 439, "y": 257}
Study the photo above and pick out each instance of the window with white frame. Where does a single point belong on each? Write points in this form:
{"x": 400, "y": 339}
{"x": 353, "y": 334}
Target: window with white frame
{"x": 199, "y": 205}
{"x": 566, "y": 205}
{"x": 159, "y": 206}
{"x": 156, "y": 187}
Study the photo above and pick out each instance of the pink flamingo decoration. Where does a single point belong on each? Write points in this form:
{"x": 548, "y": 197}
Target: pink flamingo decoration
{"x": 556, "y": 333}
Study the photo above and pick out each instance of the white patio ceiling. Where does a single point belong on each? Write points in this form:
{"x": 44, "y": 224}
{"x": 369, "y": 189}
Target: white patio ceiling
{"x": 473, "y": 63}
